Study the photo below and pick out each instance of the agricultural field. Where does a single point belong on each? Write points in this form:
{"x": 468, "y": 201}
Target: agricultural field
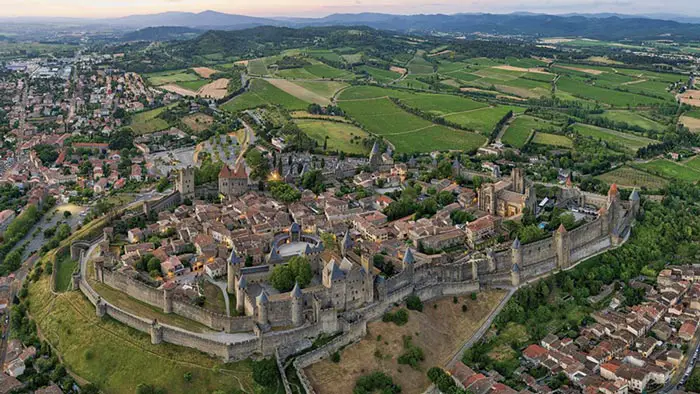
{"x": 172, "y": 77}
{"x": 627, "y": 141}
{"x": 326, "y": 89}
{"x": 442, "y": 104}
{"x": 580, "y": 89}
{"x": 193, "y": 85}
{"x": 440, "y": 330}
{"x": 380, "y": 75}
{"x": 553, "y": 140}
{"x": 88, "y": 344}
{"x": 482, "y": 120}
{"x": 263, "y": 93}
{"x": 316, "y": 70}
{"x": 407, "y": 132}
{"x": 631, "y": 177}
{"x": 147, "y": 122}
{"x": 670, "y": 170}
{"x": 418, "y": 65}
{"x": 342, "y": 137}
{"x": 632, "y": 119}
{"x": 299, "y": 91}
{"x": 521, "y": 129}
{"x": 691, "y": 120}
{"x": 257, "y": 67}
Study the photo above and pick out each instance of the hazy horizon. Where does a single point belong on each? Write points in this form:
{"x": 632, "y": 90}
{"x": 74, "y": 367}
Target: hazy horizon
{"x": 304, "y": 8}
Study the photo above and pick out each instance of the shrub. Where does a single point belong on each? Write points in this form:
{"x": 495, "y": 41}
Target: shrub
{"x": 464, "y": 308}
{"x": 335, "y": 357}
{"x": 455, "y": 300}
{"x": 413, "y": 354}
{"x": 376, "y": 382}
{"x": 414, "y": 303}
{"x": 399, "y": 318}
{"x": 473, "y": 296}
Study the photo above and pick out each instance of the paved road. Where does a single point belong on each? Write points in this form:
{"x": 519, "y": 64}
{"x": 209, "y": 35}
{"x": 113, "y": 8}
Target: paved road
{"x": 687, "y": 364}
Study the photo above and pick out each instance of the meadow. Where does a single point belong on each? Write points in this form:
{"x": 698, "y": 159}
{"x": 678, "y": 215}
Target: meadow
{"x": 626, "y": 141}
{"x": 342, "y": 137}
{"x": 93, "y": 348}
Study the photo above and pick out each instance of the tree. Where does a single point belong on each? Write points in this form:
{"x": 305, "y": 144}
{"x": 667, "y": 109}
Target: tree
{"x": 188, "y": 377}
{"x": 67, "y": 214}
{"x": 297, "y": 270}
{"x": 265, "y": 372}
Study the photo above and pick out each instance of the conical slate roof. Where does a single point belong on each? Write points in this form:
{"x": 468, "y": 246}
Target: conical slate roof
{"x": 634, "y": 196}
{"x": 516, "y": 243}
{"x": 296, "y": 291}
{"x": 242, "y": 283}
{"x": 262, "y": 298}
{"x": 408, "y": 257}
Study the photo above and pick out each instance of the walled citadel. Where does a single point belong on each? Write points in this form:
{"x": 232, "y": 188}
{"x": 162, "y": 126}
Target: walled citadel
{"x": 348, "y": 291}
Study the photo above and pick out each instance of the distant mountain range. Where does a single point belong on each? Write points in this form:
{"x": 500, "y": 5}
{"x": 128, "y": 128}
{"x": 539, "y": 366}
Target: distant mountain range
{"x": 601, "y": 26}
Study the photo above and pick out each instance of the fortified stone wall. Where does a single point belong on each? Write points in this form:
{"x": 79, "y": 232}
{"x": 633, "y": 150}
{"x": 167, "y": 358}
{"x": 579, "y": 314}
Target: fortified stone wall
{"x": 162, "y": 204}
{"x": 213, "y": 320}
{"x": 127, "y": 318}
{"x": 156, "y": 298}
{"x": 133, "y": 288}
{"x": 279, "y": 312}
{"x": 586, "y": 233}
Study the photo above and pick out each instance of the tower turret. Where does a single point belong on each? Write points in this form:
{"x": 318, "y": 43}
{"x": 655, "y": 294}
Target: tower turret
{"x": 297, "y": 301}
{"x": 233, "y": 270}
{"x": 563, "y": 247}
{"x": 262, "y": 302}
{"x": 241, "y": 288}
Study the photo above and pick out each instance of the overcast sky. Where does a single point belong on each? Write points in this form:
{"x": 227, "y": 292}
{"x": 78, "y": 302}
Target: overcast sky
{"x": 113, "y": 8}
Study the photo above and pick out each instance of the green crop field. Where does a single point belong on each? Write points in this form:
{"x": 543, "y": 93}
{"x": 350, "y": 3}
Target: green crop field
{"x": 407, "y": 132}
{"x": 380, "y": 75}
{"x": 633, "y": 119}
{"x": 355, "y": 58}
{"x": 193, "y": 85}
{"x": 342, "y": 137}
{"x": 257, "y": 67}
{"x": 553, "y": 140}
{"x": 631, "y": 177}
{"x": 670, "y": 170}
{"x": 482, "y": 120}
{"x": 693, "y": 163}
{"x": 148, "y": 121}
{"x": 418, "y": 65}
{"x": 263, "y": 93}
{"x": 695, "y": 113}
{"x": 174, "y": 76}
{"x": 442, "y": 104}
{"x": 627, "y": 141}
{"x": 519, "y": 131}
{"x": 322, "y": 88}
{"x": 611, "y": 97}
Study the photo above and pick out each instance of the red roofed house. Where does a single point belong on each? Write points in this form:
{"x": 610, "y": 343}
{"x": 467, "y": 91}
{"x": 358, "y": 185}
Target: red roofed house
{"x": 535, "y": 353}
{"x": 687, "y": 330}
